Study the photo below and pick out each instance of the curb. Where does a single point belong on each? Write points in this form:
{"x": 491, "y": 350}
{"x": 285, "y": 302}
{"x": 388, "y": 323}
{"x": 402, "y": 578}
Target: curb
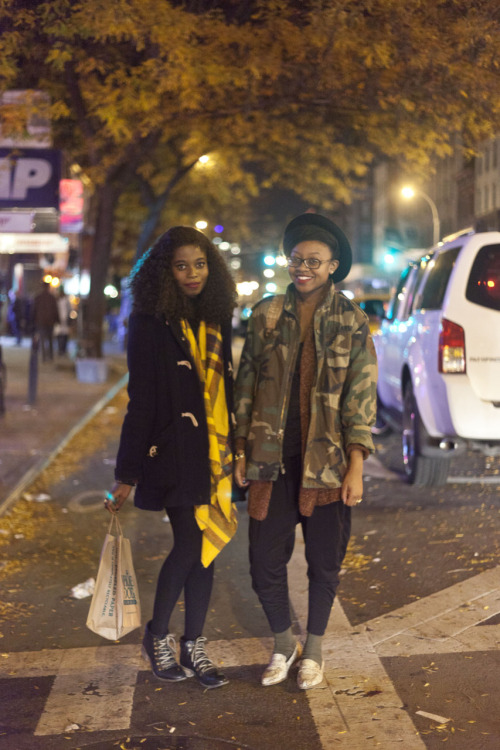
{"x": 29, "y": 477}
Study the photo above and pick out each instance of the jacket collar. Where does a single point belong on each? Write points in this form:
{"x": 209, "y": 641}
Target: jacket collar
{"x": 177, "y": 333}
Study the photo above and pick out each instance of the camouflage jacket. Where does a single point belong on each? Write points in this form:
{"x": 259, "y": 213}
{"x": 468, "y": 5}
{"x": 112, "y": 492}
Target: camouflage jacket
{"x": 343, "y": 398}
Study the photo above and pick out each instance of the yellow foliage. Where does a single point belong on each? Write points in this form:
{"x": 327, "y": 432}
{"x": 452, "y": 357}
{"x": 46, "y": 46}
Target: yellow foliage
{"x": 308, "y": 94}
{"x": 382, "y": 73}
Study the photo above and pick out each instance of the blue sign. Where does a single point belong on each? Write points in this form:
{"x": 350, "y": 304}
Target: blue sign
{"x": 29, "y": 177}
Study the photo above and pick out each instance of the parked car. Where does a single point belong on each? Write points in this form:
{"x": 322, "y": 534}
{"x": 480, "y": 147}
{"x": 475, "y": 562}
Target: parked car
{"x": 439, "y": 355}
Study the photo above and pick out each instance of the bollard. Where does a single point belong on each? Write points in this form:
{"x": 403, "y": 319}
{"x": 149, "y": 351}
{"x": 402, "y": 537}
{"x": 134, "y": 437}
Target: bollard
{"x": 3, "y": 383}
{"x": 33, "y": 371}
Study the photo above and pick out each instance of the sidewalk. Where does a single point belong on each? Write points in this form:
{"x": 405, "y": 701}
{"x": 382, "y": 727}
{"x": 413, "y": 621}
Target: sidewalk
{"x": 31, "y": 435}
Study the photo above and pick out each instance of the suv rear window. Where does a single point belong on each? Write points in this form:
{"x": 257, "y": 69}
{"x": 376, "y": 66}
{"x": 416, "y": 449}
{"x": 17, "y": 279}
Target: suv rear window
{"x": 483, "y": 287}
{"x": 432, "y": 295}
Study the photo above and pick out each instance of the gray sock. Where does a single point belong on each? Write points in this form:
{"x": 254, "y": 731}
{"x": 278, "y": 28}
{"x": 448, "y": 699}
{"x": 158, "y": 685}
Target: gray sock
{"x": 312, "y": 648}
{"x": 284, "y": 643}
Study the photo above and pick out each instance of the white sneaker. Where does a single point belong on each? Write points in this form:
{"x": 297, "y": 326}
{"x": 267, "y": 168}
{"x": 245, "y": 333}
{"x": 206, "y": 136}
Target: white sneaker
{"x": 310, "y": 674}
{"x": 279, "y": 666}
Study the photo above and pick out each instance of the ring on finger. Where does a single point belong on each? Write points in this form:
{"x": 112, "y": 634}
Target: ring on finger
{"x": 109, "y": 499}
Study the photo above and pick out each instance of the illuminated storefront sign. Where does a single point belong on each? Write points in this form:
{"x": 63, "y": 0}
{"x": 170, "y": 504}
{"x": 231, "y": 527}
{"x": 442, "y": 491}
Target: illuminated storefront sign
{"x": 33, "y": 243}
{"x": 71, "y": 206}
{"x": 29, "y": 178}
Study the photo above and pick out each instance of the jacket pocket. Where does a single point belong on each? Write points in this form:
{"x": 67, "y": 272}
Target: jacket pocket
{"x": 158, "y": 465}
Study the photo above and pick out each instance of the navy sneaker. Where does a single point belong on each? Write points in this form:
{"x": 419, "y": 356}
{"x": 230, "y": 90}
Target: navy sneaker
{"x": 161, "y": 654}
{"x": 195, "y": 662}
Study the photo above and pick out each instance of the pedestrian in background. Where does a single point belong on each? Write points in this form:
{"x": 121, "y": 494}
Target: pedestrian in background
{"x": 175, "y": 445}
{"x": 45, "y": 317}
{"x": 62, "y": 329}
{"x": 15, "y": 316}
{"x": 305, "y": 402}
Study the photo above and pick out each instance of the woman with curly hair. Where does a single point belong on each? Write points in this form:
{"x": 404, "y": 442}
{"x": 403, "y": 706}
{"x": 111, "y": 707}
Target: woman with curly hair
{"x": 175, "y": 445}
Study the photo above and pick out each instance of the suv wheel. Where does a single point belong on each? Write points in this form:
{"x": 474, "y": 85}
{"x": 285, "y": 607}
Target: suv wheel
{"x": 421, "y": 470}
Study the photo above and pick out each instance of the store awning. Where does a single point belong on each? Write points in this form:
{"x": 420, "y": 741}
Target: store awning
{"x": 33, "y": 243}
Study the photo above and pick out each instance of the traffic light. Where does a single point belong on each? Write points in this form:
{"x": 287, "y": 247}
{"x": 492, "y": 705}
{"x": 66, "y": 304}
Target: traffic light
{"x": 390, "y": 257}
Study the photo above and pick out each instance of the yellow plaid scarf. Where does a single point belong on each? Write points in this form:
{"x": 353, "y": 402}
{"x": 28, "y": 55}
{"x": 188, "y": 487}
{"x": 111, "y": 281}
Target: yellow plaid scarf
{"x": 217, "y": 520}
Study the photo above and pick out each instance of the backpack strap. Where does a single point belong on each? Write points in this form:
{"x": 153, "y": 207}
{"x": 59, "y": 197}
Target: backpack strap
{"x": 273, "y": 313}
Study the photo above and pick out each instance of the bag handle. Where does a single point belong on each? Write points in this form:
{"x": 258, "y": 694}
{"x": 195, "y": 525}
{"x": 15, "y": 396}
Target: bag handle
{"x": 115, "y": 522}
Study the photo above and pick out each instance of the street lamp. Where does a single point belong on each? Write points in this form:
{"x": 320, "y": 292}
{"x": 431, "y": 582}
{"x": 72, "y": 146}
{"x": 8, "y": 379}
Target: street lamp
{"x": 408, "y": 193}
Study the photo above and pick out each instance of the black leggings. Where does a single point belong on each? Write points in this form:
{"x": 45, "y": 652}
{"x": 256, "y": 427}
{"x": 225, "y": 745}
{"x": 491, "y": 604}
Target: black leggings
{"x": 183, "y": 570}
{"x": 326, "y": 534}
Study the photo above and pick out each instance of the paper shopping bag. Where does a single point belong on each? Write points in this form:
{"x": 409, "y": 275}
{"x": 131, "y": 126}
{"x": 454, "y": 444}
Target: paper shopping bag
{"x": 115, "y": 608}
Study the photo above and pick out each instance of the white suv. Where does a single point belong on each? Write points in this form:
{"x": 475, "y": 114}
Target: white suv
{"x": 439, "y": 355}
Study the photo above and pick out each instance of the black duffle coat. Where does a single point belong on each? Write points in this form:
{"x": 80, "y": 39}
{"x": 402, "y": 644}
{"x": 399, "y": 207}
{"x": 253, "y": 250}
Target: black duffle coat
{"x": 164, "y": 438}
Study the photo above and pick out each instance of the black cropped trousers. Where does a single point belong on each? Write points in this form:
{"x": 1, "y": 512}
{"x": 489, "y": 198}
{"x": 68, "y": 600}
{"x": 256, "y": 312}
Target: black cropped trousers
{"x": 326, "y": 535}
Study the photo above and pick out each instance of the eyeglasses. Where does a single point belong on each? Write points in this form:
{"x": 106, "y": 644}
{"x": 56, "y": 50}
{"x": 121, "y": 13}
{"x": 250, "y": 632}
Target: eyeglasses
{"x": 311, "y": 263}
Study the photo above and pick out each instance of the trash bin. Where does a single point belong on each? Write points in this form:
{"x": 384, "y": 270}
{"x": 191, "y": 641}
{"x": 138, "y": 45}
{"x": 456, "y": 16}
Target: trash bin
{"x": 91, "y": 370}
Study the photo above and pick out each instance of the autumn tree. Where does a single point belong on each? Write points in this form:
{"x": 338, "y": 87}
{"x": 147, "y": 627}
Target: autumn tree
{"x": 308, "y": 93}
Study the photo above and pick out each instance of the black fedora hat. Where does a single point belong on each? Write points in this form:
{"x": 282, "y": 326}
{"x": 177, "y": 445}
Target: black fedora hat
{"x": 303, "y": 228}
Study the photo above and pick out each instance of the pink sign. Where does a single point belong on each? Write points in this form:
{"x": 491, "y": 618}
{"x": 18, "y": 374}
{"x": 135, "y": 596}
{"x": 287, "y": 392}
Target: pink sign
{"x": 71, "y": 206}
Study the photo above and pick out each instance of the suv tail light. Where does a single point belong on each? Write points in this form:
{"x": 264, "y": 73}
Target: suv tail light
{"x": 451, "y": 347}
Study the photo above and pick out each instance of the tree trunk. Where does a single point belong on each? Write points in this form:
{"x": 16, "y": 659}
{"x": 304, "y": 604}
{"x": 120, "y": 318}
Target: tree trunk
{"x": 148, "y": 226}
{"x": 155, "y": 206}
{"x": 106, "y": 198}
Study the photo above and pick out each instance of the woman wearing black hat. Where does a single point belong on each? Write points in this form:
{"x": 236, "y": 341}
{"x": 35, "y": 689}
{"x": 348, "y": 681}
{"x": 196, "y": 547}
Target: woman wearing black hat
{"x": 305, "y": 403}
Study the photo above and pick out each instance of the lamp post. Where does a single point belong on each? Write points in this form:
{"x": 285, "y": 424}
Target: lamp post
{"x": 409, "y": 192}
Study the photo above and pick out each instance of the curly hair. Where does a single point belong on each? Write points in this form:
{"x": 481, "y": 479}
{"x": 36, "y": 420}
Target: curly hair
{"x": 155, "y": 290}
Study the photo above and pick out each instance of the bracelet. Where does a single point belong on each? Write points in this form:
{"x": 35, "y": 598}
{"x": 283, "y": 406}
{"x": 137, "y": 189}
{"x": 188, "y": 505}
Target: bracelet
{"x": 239, "y": 455}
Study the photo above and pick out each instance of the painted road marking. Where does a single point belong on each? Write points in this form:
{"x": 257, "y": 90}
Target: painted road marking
{"x": 473, "y": 480}
{"x": 445, "y": 621}
{"x": 244, "y": 651}
{"x": 93, "y": 688}
{"x": 374, "y": 469}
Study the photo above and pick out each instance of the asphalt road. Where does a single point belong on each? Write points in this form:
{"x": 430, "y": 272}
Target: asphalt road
{"x": 416, "y": 627}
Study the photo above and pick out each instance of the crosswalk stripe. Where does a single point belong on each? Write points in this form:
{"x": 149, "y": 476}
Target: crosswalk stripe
{"x": 94, "y": 687}
{"x": 373, "y": 468}
{"x": 408, "y": 644}
{"x": 476, "y": 592}
{"x": 243, "y": 651}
